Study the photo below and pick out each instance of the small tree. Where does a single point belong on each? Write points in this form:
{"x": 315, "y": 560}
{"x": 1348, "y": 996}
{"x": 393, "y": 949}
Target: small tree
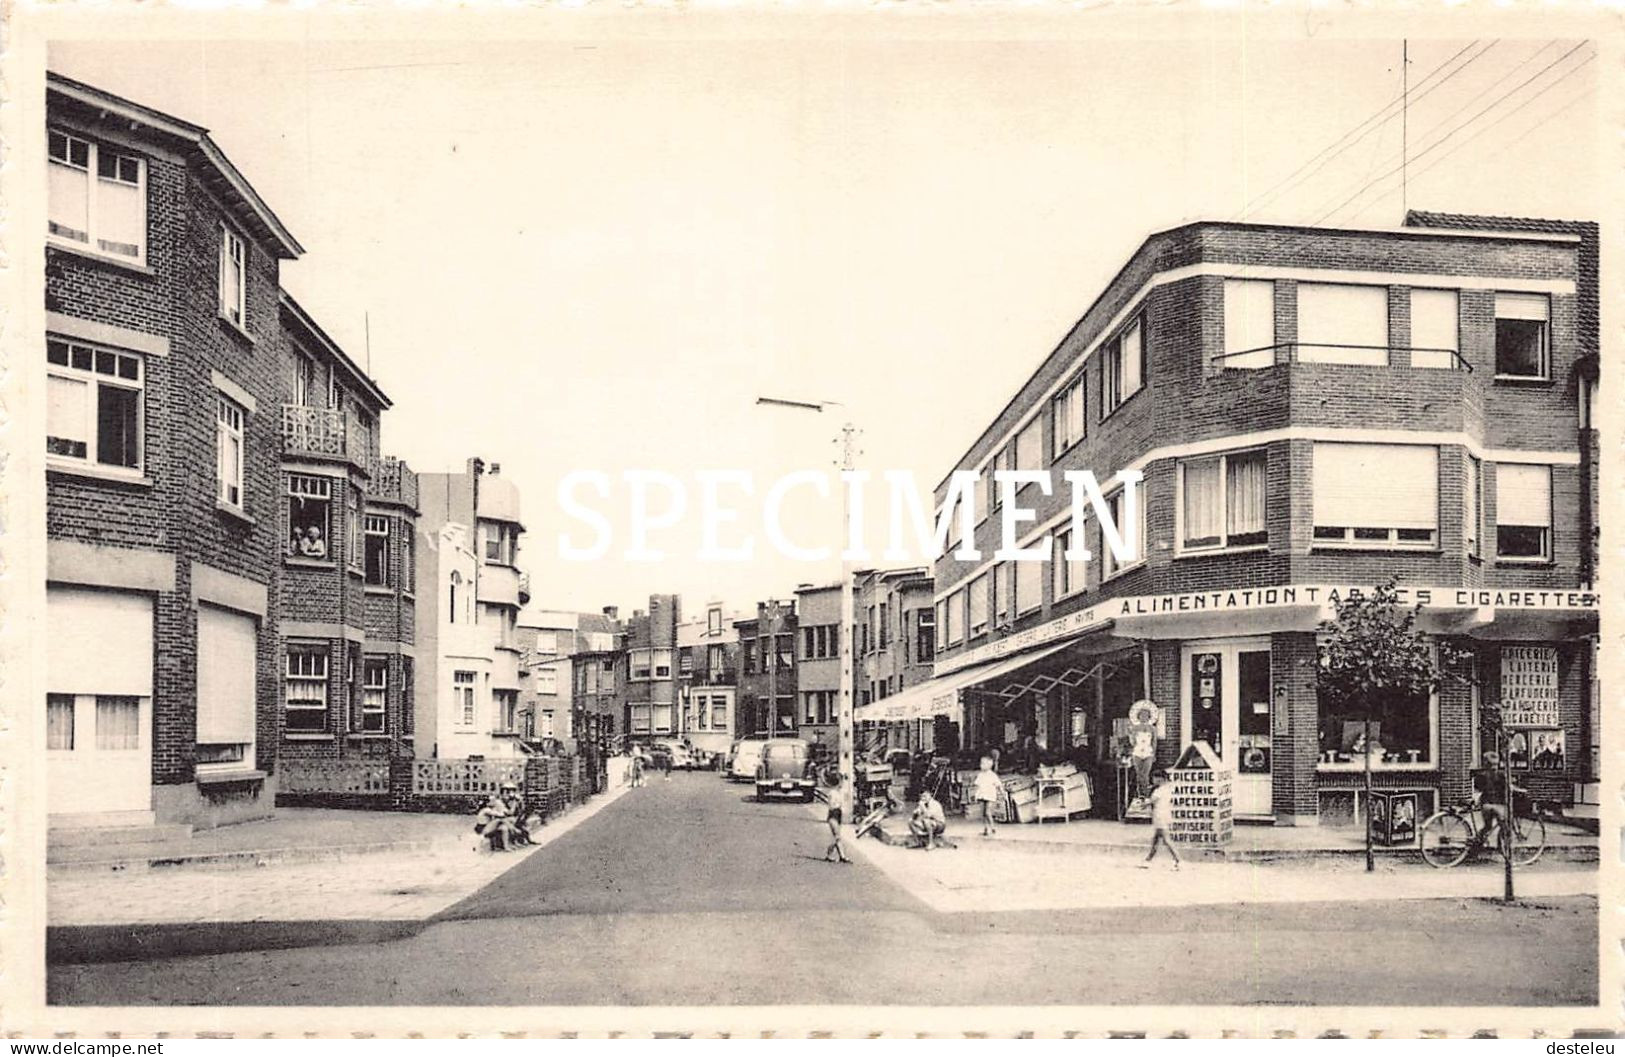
{"x": 1370, "y": 653}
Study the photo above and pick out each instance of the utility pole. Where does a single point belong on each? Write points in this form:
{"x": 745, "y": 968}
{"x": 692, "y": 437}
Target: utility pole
{"x": 1404, "y": 127}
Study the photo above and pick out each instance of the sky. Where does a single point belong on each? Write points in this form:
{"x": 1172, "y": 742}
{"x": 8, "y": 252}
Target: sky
{"x": 595, "y": 254}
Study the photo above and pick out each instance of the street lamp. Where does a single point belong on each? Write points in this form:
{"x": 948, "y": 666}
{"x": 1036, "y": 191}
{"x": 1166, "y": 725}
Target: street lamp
{"x": 844, "y": 632}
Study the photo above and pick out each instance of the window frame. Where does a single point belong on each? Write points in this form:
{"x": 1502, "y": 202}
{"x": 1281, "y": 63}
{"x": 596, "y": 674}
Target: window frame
{"x": 226, "y": 431}
{"x": 1181, "y": 546}
{"x": 93, "y": 179}
{"x": 370, "y": 531}
{"x": 1112, "y": 393}
{"x": 465, "y": 699}
{"x": 311, "y": 678}
{"x": 93, "y": 378}
{"x": 1109, "y": 569}
{"x": 374, "y": 695}
{"x": 1350, "y": 538}
{"x": 1355, "y": 766}
{"x": 1473, "y": 517}
{"x": 978, "y": 586}
{"x": 235, "y": 312}
{"x": 1061, "y": 585}
{"x": 1545, "y": 556}
{"x": 1545, "y": 374}
{"x": 1060, "y": 411}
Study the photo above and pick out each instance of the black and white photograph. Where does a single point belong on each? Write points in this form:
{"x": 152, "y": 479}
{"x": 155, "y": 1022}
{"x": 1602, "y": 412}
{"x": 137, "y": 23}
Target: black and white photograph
{"x": 707, "y": 519}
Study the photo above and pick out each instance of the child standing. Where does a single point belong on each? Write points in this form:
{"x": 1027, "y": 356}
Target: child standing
{"x": 832, "y": 795}
{"x": 1162, "y": 818}
{"x": 986, "y": 791}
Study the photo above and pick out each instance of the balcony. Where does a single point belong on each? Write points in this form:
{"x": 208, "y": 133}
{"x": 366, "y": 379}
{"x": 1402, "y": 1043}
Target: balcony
{"x": 314, "y": 431}
{"x": 524, "y": 588}
{"x": 1350, "y": 355}
{"x": 393, "y": 482}
{"x": 714, "y": 677}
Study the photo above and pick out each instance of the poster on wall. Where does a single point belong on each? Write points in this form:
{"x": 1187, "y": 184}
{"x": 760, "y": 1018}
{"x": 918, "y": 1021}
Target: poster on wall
{"x": 1529, "y": 686}
{"x": 1538, "y": 750}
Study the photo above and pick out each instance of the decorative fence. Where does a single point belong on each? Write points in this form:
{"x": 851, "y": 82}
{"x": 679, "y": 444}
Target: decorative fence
{"x": 549, "y": 784}
{"x": 464, "y": 777}
{"x": 313, "y": 431}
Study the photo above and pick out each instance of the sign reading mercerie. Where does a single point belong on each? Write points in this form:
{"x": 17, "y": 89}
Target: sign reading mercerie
{"x": 1200, "y": 798}
{"x": 1529, "y": 686}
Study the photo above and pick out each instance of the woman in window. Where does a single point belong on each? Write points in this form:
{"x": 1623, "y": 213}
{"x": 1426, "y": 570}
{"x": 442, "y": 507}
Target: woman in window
{"x": 311, "y": 544}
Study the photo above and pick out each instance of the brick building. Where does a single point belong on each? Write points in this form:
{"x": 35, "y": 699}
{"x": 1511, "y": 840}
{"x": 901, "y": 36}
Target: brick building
{"x": 1312, "y": 410}
{"x": 707, "y": 678}
{"x": 648, "y": 669}
{"x": 552, "y": 644}
{"x": 349, "y": 555}
{"x": 818, "y": 661}
{"x": 162, "y": 485}
{"x": 895, "y": 647}
{"x": 469, "y": 590}
{"x": 767, "y": 672}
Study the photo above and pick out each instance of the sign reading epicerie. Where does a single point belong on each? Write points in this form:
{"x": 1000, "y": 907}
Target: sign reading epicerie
{"x": 1529, "y": 686}
{"x": 1200, "y": 798}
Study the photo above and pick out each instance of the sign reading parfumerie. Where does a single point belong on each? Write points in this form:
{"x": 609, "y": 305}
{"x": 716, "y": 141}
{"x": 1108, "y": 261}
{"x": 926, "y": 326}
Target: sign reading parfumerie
{"x": 1529, "y": 686}
{"x": 1200, "y": 798}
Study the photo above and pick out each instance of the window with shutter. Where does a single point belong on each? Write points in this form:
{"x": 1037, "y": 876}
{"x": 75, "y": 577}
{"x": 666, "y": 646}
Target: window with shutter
{"x": 1522, "y": 336}
{"x": 1249, "y": 324}
{"x": 1523, "y": 512}
{"x": 1342, "y": 323}
{"x": 1376, "y": 495}
{"x": 1435, "y": 328}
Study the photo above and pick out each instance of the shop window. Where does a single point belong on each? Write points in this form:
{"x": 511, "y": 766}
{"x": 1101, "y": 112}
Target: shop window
{"x": 1110, "y": 565}
{"x": 1402, "y": 734}
{"x": 1523, "y": 512}
{"x": 1381, "y": 496}
{"x": 976, "y": 617}
{"x": 374, "y": 695}
{"x": 93, "y": 405}
{"x": 310, "y": 515}
{"x": 377, "y": 550}
{"x": 1122, "y": 367}
{"x": 1249, "y": 324}
{"x": 228, "y": 439}
{"x": 305, "y": 691}
{"x": 1435, "y": 328}
{"x": 1523, "y": 336}
{"x": 1222, "y": 501}
{"x": 1067, "y": 408}
{"x": 1342, "y": 323}
{"x": 109, "y": 212}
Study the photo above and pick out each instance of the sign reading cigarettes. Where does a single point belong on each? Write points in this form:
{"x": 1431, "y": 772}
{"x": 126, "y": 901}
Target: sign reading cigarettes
{"x": 1201, "y": 798}
{"x": 1529, "y": 686}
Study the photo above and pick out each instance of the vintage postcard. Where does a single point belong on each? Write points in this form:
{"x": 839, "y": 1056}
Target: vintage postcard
{"x": 757, "y": 519}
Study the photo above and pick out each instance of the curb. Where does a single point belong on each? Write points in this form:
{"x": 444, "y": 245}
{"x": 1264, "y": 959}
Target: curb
{"x": 239, "y": 859}
{"x": 86, "y": 944}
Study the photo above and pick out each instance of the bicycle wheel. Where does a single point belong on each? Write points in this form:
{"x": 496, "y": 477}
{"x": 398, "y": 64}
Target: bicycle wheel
{"x": 1529, "y": 842}
{"x": 1445, "y": 839}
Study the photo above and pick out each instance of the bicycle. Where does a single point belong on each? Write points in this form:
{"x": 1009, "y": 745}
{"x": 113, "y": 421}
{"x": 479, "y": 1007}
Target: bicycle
{"x": 1450, "y": 835}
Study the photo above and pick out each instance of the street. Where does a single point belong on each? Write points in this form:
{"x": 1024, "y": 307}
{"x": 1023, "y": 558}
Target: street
{"x": 688, "y": 893}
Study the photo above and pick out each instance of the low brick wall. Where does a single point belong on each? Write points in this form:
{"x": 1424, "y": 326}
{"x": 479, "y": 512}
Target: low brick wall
{"x": 549, "y": 784}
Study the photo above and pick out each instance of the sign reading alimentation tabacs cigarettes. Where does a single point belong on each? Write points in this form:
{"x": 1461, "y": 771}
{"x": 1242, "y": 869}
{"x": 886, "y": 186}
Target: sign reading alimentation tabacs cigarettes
{"x": 1200, "y": 798}
{"x": 1529, "y": 686}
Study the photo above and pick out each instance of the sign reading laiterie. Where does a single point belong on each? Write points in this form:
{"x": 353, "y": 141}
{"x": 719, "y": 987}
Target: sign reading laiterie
{"x": 1200, "y": 798}
{"x": 1529, "y": 686}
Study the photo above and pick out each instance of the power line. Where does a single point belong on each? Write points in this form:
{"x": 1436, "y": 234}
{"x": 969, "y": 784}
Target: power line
{"x": 1360, "y": 131}
{"x": 1452, "y": 132}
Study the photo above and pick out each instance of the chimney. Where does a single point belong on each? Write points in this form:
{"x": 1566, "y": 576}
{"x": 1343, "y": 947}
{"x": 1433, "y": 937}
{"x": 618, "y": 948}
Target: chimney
{"x": 612, "y": 612}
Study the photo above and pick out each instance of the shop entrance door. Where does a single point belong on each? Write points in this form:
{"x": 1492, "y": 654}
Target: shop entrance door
{"x": 1225, "y": 695}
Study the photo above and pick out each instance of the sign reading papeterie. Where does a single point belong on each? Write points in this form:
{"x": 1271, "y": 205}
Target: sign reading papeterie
{"x": 1200, "y": 798}
{"x": 1529, "y": 686}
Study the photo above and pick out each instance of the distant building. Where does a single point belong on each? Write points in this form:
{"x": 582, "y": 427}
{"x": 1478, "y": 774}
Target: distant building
{"x": 551, "y": 643}
{"x": 595, "y": 681}
{"x": 649, "y": 687}
{"x": 767, "y": 671}
{"x": 818, "y": 661}
{"x": 896, "y": 642}
{"x": 468, "y": 601}
{"x": 708, "y": 674}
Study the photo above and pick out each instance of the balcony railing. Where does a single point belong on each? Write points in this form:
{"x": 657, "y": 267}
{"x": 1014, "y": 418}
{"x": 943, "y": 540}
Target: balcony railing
{"x": 714, "y": 677}
{"x": 318, "y": 431}
{"x": 393, "y": 482}
{"x": 1295, "y": 354}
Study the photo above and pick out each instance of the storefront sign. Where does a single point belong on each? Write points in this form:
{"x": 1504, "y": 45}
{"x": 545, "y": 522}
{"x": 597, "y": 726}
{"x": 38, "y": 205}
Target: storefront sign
{"x": 1251, "y": 599}
{"x": 1529, "y": 686}
{"x": 1200, "y": 798}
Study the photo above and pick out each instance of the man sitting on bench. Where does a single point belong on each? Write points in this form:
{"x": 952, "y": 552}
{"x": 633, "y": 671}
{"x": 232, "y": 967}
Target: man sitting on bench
{"x": 928, "y": 822}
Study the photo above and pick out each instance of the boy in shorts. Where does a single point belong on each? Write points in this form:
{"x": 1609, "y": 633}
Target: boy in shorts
{"x": 1162, "y": 818}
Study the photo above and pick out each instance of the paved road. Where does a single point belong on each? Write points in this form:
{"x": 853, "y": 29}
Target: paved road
{"x": 686, "y": 893}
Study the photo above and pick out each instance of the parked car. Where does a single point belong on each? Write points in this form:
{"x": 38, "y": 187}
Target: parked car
{"x": 786, "y": 769}
{"x": 682, "y": 757}
{"x": 743, "y": 758}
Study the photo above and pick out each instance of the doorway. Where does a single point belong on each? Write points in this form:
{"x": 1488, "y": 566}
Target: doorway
{"x": 1225, "y": 701}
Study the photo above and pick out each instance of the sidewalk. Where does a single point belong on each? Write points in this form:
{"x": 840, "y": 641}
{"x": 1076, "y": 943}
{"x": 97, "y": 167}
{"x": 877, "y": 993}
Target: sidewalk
{"x": 1001, "y": 874}
{"x": 342, "y": 892}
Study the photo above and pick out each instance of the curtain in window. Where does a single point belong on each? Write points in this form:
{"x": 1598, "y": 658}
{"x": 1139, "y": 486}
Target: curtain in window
{"x": 1246, "y": 501}
{"x": 68, "y": 190}
{"x": 59, "y": 722}
{"x": 121, "y": 220}
{"x": 118, "y": 723}
{"x": 1202, "y": 506}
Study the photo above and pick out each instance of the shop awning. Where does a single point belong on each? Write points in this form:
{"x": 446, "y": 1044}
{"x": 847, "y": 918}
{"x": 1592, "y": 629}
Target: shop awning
{"x": 940, "y": 696}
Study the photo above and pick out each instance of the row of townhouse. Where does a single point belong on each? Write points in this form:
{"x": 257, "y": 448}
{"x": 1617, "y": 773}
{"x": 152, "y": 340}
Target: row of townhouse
{"x": 237, "y": 577}
{"x": 1313, "y": 410}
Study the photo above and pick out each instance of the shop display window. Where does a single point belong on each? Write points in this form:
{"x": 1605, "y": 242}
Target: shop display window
{"x": 1402, "y": 734}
